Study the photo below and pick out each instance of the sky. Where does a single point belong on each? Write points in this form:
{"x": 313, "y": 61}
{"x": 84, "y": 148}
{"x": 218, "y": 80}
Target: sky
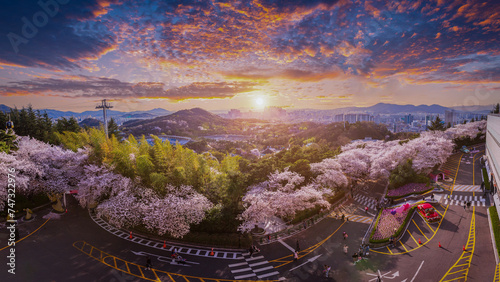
{"x": 140, "y": 55}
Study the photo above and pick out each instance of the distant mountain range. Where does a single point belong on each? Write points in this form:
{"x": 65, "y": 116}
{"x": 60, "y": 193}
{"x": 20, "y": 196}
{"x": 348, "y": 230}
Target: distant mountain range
{"x": 98, "y": 113}
{"x": 384, "y": 108}
{"x": 380, "y": 108}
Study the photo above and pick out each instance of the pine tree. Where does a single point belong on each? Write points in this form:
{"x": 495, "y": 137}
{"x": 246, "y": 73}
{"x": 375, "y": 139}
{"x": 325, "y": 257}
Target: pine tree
{"x": 113, "y": 128}
{"x": 496, "y": 109}
{"x": 437, "y": 125}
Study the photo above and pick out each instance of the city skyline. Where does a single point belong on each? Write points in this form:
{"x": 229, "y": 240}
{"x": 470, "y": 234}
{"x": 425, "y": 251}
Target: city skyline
{"x": 68, "y": 55}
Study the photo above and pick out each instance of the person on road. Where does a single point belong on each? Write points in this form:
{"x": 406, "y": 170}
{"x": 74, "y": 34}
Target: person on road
{"x": 343, "y": 217}
{"x": 355, "y": 257}
{"x": 148, "y": 263}
{"x": 465, "y": 205}
{"x": 296, "y": 255}
{"x": 345, "y": 249}
{"x": 345, "y": 235}
{"x": 468, "y": 205}
{"x": 366, "y": 209}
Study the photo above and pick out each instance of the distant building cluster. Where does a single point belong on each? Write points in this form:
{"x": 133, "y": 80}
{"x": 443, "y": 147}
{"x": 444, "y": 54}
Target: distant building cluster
{"x": 401, "y": 122}
{"x": 269, "y": 113}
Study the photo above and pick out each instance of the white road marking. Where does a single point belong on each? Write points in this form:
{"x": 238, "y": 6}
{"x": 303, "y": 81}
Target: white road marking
{"x": 417, "y": 271}
{"x": 286, "y": 245}
{"x": 241, "y": 270}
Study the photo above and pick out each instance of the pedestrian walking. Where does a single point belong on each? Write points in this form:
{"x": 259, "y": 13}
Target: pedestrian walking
{"x": 379, "y": 279}
{"x": 366, "y": 209}
{"x": 345, "y": 235}
{"x": 355, "y": 257}
{"x": 328, "y": 268}
{"x": 298, "y": 246}
{"x": 148, "y": 263}
{"x": 296, "y": 255}
{"x": 345, "y": 249}
{"x": 468, "y": 205}
{"x": 251, "y": 250}
{"x": 465, "y": 205}
{"x": 343, "y": 217}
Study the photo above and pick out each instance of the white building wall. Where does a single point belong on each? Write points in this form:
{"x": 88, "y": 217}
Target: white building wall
{"x": 493, "y": 145}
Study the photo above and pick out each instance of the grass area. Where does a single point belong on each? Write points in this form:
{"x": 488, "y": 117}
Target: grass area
{"x": 495, "y": 222}
{"x": 486, "y": 179}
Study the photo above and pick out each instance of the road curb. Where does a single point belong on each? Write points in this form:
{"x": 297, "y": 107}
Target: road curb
{"x": 492, "y": 234}
{"x": 157, "y": 243}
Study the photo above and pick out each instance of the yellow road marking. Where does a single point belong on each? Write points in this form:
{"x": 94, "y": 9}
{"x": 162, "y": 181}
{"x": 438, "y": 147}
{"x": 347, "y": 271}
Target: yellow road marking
{"x": 439, "y": 212}
{"x": 420, "y": 229}
{"x": 27, "y": 235}
{"x": 288, "y": 259}
{"x": 403, "y": 245}
{"x": 497, "y": 273}
{"x": 428, "y": 224}
{"x": 440, "y": 222}
{"x": 389, "y": 249}
{"x": 103, "y": 255}
{"x": 466, "y": 255}
{"x": 412, "y": 237}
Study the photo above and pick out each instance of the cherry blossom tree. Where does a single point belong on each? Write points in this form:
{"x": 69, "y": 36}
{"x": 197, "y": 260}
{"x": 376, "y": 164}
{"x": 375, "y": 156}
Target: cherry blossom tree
{"x": 330, "y": 173}
{"x": 49, "y": 168}
{"x": 282, "y": 196}
{"x": 99, "y": 183}
{"x": 471, "y": 130}
{"x": 172, "y": 214}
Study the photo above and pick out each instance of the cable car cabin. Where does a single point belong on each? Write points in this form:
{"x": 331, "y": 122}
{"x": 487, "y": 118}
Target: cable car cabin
{"x": 9, "y": 125}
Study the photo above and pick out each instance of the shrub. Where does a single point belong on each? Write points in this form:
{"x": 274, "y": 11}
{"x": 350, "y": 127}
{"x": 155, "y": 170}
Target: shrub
{"x": 408, "y": 189}
{"x": 486, "y": 179}
{"x": 377, "y": 237}
{"x": 495, "y": 222}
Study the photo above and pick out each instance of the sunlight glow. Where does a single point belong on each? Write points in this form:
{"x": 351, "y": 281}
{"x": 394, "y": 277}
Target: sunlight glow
{"x": 260, "y": 102}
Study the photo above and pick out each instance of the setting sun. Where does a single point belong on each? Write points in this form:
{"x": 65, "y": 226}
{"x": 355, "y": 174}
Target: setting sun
{"x": 260, "y": 102}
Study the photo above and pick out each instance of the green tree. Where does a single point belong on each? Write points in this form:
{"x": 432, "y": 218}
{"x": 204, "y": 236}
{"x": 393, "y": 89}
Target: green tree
{"x": 64, "y": 124}
{"x": 404, "y": 174}
{"x": 7, "y": 139}
{"x": 496, "y": 109}
{"x": 113, "y": 128}
{"x": 437, "y": 124}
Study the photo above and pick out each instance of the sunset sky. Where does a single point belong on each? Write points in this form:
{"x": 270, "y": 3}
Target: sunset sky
{"x": 140, "y": 55}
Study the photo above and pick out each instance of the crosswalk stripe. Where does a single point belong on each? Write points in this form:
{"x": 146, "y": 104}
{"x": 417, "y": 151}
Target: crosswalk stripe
{"x": 268, "y": 274}
{"x": 241, "y": 270}
{"x": 237, "y": 264}
{"x": 244, "y": 276}
{"x": 264, "y": 268}
{"x": 258, "y": 263}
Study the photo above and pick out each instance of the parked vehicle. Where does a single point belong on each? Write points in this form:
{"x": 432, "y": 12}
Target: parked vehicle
{"x": 428, "y": 213}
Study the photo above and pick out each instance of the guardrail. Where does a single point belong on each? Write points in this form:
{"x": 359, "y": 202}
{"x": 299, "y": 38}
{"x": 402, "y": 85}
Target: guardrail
{"x": 264, "y": 239}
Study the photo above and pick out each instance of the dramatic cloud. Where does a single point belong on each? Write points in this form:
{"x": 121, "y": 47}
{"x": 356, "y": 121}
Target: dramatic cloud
{"x": 196, "y": 45}
{"x": 99, "y": 87}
